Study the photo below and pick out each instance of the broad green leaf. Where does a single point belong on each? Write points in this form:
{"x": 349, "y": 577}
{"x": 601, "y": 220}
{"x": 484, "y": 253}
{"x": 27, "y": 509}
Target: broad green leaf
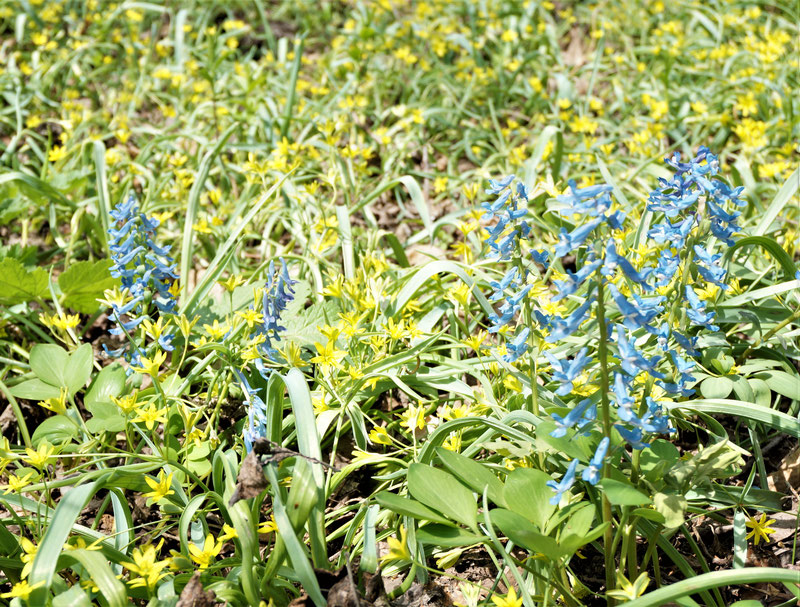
{"x": 762, "y": 395}
{"x": 79, "y": 368}
{"x": 106, "y": 417}
{"x": 523, "y": 533}
{"x": 716, "y": 387}
{"x": 473, "y": 474}
{"x": 655, "y": 461}
{"x": 649, "y": 514}
{"x": 672, "y": 507}
{"x": 447, "y": 536}
{"x": 49, "y": 363}
{"x": 783, "y": 196}
{"x": 620, "y": 493}
{"x": 441, "y": 491}
{"x": 18, "y": 285}
{"x": 109, "y": 382}
{"x": 408, "y": 507}
{"x": 55, "y": 430}
{"x": 35, "y": 389}
{"x": 302, "y": 328}
{"x": 83, "y": 282}
{"x": 526, "y": 493}
{"x": 782, "y": 382}
{"x": 74, "y": 597}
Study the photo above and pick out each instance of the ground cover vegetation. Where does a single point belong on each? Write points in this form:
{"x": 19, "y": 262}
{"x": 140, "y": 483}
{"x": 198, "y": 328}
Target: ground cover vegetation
{"x": 399, "y": 303}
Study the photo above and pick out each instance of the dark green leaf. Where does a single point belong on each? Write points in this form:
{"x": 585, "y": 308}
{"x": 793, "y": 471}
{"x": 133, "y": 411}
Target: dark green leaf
{"x": 446, "y": 536}
{"x": 526, "y": 493}
{"x": 408, "y": 507}
{"x": 18, "y": 285}
{"x": 473, "y": 474}
{"x": 83, "y": 282}
{"x": 523, "y": 533}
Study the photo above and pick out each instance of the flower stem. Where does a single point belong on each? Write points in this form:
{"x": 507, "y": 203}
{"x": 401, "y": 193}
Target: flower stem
{"x": 605, "y": 406}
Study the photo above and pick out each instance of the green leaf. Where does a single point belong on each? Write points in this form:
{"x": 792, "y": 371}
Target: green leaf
{"x": 441, "y": 491}
{"x": 782, "y": 382}
{"x": 672, "y": 507}
{"x": 53, "y": 365}
{"x": 35, "y": 389}
{"x": 18, "y": 285}
{"x": 475, "y": 475}
{"x": 777, "y": 419}
{"x": 769, "y": 245}
{"x": 302, "y": 328}
{"x": 106, "y": 417}
{"x": 79, "y": 368}
{"x": 762, "y": 395}
{"x": 74, "y": 597}
{"x": 55, "y": 430}
{"x": 447, "y": 536}
{"x": 522, "y": 532}
{"x": 408, "y": 507}
{"x": 716, "y": 387}
{"x": 526, "y": 493}
{"x": 783, "y": 196}
{"x": 620, "y": 493}
{"x": 83, "y": 282}
{"x": 49, "y": 363}
{"x": 109, "y": 382}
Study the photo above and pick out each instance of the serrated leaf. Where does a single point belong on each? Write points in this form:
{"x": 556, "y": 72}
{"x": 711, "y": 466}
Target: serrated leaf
{"x": 18, "y": 285}
{"x": 302, "y": 329}
{"x": 83, "y": 282}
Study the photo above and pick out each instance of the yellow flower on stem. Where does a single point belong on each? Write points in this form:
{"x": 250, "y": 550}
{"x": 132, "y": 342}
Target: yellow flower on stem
{"x": 160, "y": 488}
{"x": 509, "y": 600}
{"x": 21, "y": 590}
{"x": 760, "y": 528}
{"x": 41, "y": 457}
{"x": 204, "y": 556}
{"x": 398, "y": 547}
{"x": 328, "y": 356}
{"x": 151, "y": 366}
{"x": 146, "y": 566}
{"x": 151, "y": 416}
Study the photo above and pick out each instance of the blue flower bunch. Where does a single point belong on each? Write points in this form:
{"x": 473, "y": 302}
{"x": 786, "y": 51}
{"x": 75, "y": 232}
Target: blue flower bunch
{"x": 146, "y": 272}
{"x": 277, "y": 294}
{"x": 640, "y": 303}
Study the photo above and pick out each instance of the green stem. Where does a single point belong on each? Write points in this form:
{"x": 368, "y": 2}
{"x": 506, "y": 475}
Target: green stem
{"x": 768, "y": 335}
{"x": 23, "y": 429}
{"x": 608, "y": 535}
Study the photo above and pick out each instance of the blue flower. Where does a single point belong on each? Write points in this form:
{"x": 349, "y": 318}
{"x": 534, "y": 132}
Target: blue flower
{"x": 541, "y": 257}
{"x": 574, "y": 280}
{"x": 256, "y": 413}
{"x": 592, "y": 474}
{"x": 566, "y": 483}
{"x": 697, "y": 310}
{"x": 631, "y": 360}
{"x": 569, "y": 241}
{"x": 564, "y": 327}
{"x": 632, "y": 436}
{"x": 565, "y": 371}
{"x": 668, "y": 263}
{"x": 614, "y": 261}
{"x": 675, "y": 233}
{"x": 518, "y": 346}
{"x": 576, "y": 415}
{"x": 593, "y": 200}
{"x": 638, "y": 314}
{"x": 277, "y": 294}
{"x": 711, "y": 271}
{"x": 623, "y": 398}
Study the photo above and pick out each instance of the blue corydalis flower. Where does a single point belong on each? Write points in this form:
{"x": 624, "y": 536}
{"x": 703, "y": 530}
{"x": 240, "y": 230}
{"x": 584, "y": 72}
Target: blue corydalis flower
{"x": 697, "y": 310}
{"x": 565, "y": 484}
{"x": 710, "y": 268}
{"x": 518, "y": 346}
{"x": 508, "y": 213}
{"x": 593, "y": 200}
{"x": 614, "y": 261}
{"x": 574, "y": 280}
{"x": 631, "y": 360}
{"x": 674, "y": 233}
{"x": 592, "y": 474}
{"x": 146, "y": 273}
{"x": 639, "y": 313}
{"x": 256, "y": 413}
{"x": 582, "y": 412}
{"x": 564, "y": 327}
{"x": 565, "y": 371}
{"x": 278, "y": 293}
{"x": 569, "y": 241}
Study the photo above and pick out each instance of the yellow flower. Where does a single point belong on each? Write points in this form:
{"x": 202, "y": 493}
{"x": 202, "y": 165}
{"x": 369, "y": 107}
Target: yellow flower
{"x": 29, "y": 553}
{"x": 379, "y": 435}
{"x": 510, "y": 600}
{"x": 228, "y": 533}
{"x": 127, "y": 403}
{"x": 217, "y": 331}
{"x": 57, "y": 153}
{"x": 628, "y": 591}
{"x": 145, "y": 565}
{"x": 151, "y": 365}
{"x": 268, "y": 526}
{"x": 328, "y": 356}
{"x": 760, "y": 528}
{"x": 398, "y": 547}
{"x": 160, "y": 488}
{"x": 151, "y": 416}
{"x": 204, "y": 556}
{"x": 21, "y": 590}
{"x": 17, "y": 483}
{"x": 41, "y": 457}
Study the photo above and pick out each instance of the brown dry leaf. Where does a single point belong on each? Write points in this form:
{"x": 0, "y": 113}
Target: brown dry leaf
{"x": 787, "y": 476}
{"x": 575, "y": 55}
{"x": 251, "y": 480}
{"x": 193, "y": 594}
